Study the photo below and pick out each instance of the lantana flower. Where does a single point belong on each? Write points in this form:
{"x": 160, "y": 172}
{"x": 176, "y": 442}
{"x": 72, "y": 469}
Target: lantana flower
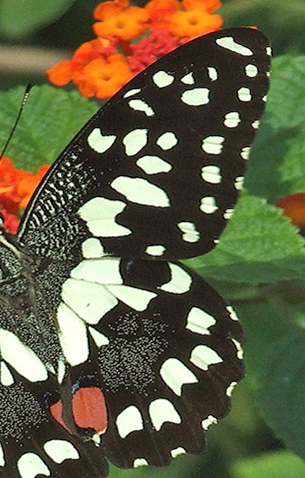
{"x": 129, "y": 39}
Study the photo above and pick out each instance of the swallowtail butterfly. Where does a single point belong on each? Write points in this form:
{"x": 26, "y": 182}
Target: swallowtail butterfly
{"x": 110, "y": 348}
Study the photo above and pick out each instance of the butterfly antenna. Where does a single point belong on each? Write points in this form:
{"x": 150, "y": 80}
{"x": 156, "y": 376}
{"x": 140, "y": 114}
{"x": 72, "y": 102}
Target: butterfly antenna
{"x": 24, "y": 100}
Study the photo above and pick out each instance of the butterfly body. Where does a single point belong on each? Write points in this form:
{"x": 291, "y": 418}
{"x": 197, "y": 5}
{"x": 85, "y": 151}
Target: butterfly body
{"x": 109, "y": 346}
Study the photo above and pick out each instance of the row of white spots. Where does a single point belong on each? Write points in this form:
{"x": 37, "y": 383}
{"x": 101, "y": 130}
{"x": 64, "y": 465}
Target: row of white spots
{"x": 190, "y": 233}
{"x": 174, "y": 453}
{"x": 30, "y": 465}
{"x": 160, "y": 411}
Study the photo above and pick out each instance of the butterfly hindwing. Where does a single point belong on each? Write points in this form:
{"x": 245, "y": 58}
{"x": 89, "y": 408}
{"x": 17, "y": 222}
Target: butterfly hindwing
{"x": 123, "y": 352}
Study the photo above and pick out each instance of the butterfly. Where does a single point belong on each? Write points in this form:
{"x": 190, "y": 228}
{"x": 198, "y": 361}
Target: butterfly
{"x": 109, "y": 347}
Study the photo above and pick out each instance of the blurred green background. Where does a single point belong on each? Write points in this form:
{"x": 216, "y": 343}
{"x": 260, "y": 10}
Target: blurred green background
{"x": 264, "y": 435}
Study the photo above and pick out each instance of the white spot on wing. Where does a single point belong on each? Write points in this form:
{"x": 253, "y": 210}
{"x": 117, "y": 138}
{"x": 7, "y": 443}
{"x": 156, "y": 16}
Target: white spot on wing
{"x": 92, "y": 248}
{"x": 251, "y": 70}
{"x": 177, "y": 451}
{"x": 153, "y": 165}
{"x": 100, "y": 143}
{"x": 188, "y": 79}
{"x": 269, "y": 51}
{"x": 60, "y": 450}
{"x": 161, "y": 411}
{"x": 30, "y": 465}
{"x": 232, "y": 312}
{"x": 213, "y": 144}
{"x": 230, "y": 389}
{"x": 100, "y": 214}
{"x": 138, "y": 299}
{"x": 212, "y": 72}
{"x": 141, "y": 191}
{"x": 74, "y": 346}
{"x": 180, "y": 281}
{"x": 21, "y": 357}
{"x": 255, "y": 124}
{"x": 199, "y": 321}
{"x": 232, "y": 119}
{"x": 230, "y": 44}
{"x": 89, "y": 300}
{"x": 208, "y": 205}
{"x": 228, "y": 213}
{"x": 239, "y": 181}
{"x": 175, "y": 374}
{"x": 99, "y": 339}
{"x": 245, "y": 152}
{"x": 244, "y": 94}
{"x": 240, "y": 352}
{"x": 196, "y": 97}
{"x": 140, "y": 105}
{"x": 129, "y": 420}
{"x": 2, "y": 456}
{"x": 211, "y": 174}
{"x": 210, "y": 420}
{"x": 135, "y": 141}
{"x": 6, "y": 376}
{"x": 167, "y": 140}
{"x": 203, "y": 356}
{"x": 190, "y": 233}
{"x": 155, "y": 250}
{"x": 163, "y": 79}
{"x": 132, "y": 92}
{"x": 140, "y": 462}
{"x": 102, "y": 271}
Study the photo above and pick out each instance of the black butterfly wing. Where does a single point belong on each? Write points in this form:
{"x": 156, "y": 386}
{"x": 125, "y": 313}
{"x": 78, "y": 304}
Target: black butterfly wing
{"x": 156, "y": 172}
{"x": 167, "y": 371}
{"x": 153, "y": 175}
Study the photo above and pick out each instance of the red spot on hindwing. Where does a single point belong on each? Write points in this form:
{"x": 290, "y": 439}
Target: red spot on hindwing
{"x": 88, "y": 408}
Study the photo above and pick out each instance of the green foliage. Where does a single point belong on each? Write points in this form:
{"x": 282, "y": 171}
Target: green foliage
{"x": 50, "y": 119}
{"x": 19, "y": 19}
{"x": 270, "y": 465}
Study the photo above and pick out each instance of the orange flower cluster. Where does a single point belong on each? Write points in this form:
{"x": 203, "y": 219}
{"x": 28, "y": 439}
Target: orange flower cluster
{"x": 16, "y": 189}
{"x": 102, "y": 66}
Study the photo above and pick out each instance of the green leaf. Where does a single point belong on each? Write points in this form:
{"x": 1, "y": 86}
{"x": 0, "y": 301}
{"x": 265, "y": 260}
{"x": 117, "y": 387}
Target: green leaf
{"x": 20, "y": 18}
{"x": 50, "y": 120}
{"x": 282, "y": 389}
{"x": 277, "y": 165}
{"x": 280, "y": 464}
{"x": 259, "y": 245}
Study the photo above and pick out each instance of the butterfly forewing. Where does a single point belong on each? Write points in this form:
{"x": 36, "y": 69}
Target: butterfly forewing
{"x": 119, "y": 345}
{"x": 158, "y": 169}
